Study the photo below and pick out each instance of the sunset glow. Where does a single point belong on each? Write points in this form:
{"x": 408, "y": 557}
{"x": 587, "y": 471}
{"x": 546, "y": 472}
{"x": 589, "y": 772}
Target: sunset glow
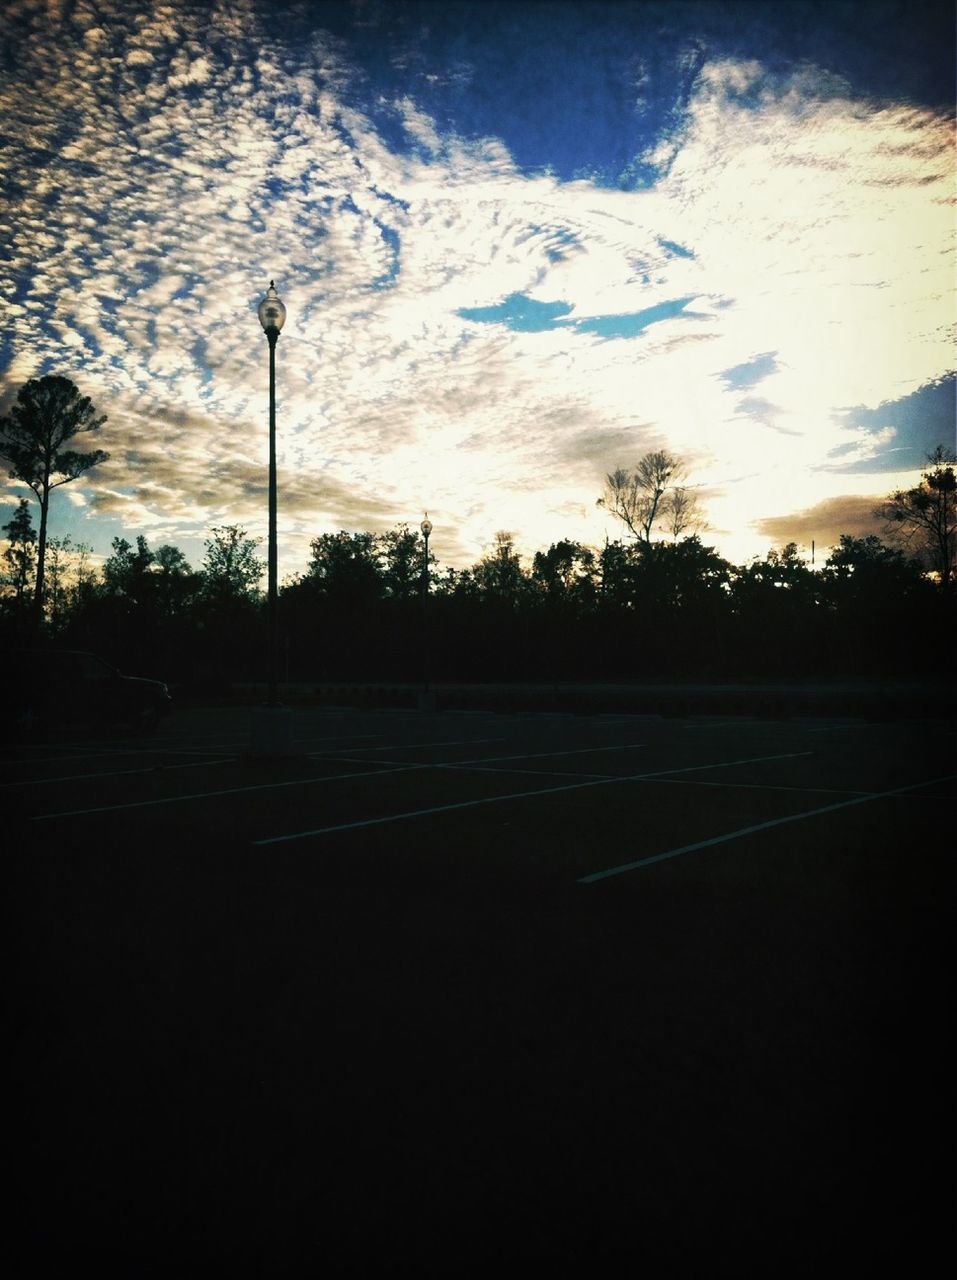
{"x": 519, "y": 246}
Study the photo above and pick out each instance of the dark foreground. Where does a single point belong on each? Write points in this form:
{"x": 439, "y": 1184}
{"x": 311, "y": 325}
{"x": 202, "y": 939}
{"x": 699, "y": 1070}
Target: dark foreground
{"x": 429, "y": 1041}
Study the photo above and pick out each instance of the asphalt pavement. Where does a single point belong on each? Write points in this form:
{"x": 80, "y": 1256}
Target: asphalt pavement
{"x": 468, "y": 991}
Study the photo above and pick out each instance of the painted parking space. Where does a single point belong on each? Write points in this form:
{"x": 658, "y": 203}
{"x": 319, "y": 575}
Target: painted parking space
{"x": 352, "y": 774}
{"x": 399, "y": 957}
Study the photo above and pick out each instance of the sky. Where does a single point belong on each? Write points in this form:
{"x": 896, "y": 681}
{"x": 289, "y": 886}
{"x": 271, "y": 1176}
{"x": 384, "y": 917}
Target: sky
{"x": 520, "y": 244}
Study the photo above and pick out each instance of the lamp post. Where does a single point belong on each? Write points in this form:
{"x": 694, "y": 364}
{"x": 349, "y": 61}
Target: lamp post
{"x": 426, "y": 527}
{"x": 272, "y": 316}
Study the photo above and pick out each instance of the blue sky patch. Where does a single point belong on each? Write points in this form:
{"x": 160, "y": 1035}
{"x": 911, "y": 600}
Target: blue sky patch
{"x": 676, "y": 250}
{"x": 922, "y": 421}
{"x": 750, "y": 374}
{"x": 629, "y": 324}
{"x": 524, "y": 72}
{"x": 524, "y": 315}
{"x": 375, "y": 156}
{"x": 517, "y": 312}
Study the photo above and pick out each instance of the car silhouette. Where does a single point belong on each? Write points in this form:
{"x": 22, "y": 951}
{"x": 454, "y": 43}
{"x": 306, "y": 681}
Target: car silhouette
{"x": 43, "y": 687}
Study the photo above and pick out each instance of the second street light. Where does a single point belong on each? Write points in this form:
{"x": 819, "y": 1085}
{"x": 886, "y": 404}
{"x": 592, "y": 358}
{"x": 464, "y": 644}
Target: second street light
{"x": 272, "y": 317}
{"x": 273, "y": 735}
{"x": 427, "y": 698}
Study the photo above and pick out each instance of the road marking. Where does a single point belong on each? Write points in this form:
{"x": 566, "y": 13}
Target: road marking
{"x": 229, "y": 791}
{"x": 117, "y": 773}
{"x": 102, "y": 748}
{"x": 760, "y": 826}
{"x": 241, "y": 748}
{"x": 83, "y": 755}
{"x": 473, "y": 766}
{"x": 836, "y": 728}
{"x": 541, "y": 755}
{"x": 771, "y": 786}
{"x": 407, "y": 746}
{"x": 733, "y": 721}
{"x": 525, "y": 755}
{"x": 470, "y": 767}
{"x": 515, "y": 795}
{"x": 164, "y": 746}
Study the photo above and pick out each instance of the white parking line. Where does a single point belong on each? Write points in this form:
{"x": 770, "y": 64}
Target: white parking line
{"x": 468, "y": 766}
{"x": 770, "y": 786}
{"x": 837, "y": 728}
{"x": 244, "y": 738}
{"x": 760, "y": 826}
{"x": 100, "y": 751}
{"x": 117, "y": 773}
{"x": 33, "y": 761}
{"x": 524, "y": 755}
{"x": 408, "y": 746}
{"x": 228, "y": 791}
{"x": 542, "y": 755}
{"x": 516, "y": 795}
{"x": 164, "y": 746}
{"x": 238, "y": 790}
{"x": 331, "y": 737}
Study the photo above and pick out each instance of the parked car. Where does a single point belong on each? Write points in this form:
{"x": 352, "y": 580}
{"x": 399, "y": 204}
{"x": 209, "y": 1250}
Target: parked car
{"x": 64, "y": 686}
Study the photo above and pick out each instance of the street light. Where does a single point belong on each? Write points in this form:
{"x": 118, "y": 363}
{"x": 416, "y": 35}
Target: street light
{"x": 272, "y": 317}
{"x": 426, "y": 527}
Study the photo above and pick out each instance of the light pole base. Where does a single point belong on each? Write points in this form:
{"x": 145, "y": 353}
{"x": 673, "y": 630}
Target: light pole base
{"x": 427, "y": 700}
{"x": 271, "y": 731}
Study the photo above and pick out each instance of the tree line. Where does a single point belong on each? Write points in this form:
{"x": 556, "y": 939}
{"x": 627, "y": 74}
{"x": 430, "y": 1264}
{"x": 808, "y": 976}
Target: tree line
{"x": 657, "y": 603}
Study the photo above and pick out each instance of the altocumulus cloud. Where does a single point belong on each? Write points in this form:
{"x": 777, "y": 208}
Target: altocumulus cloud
{"x": 468, "y": 331}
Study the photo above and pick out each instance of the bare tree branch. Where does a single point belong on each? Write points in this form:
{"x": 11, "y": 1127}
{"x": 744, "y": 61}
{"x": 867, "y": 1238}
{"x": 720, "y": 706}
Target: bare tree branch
{"x": 649, "y": 496}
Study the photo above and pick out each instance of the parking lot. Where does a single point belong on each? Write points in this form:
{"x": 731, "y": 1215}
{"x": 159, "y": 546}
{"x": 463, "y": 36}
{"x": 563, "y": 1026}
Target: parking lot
{"x": 486, "y": 988}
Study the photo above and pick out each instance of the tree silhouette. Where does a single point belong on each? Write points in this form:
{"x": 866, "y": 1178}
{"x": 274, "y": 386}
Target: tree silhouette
{"x": 346, "y": 568}
{"x": 499, "y": 575}
{"x": 865, "y": 566}
{"x": 48, "y": 413}
{"x": 20, "y": 555}
{"x": 565, "y": 573}
{"x": 925, "y": 517}
{"x": 662, "y": 609}
{"x": 174, "y": 582}
{"x": 66, "y": 559}
{"x": 127, "y": 572}
{"x": 649, "y": 496}
{"x": 231, "y": 569}
{"x": 403, "y": 557}
{"x": 684, "y": 575}
{"x": 881, "y": 602}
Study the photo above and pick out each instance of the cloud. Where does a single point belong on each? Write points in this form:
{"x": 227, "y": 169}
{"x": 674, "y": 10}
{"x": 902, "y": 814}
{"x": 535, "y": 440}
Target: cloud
{"x": 824, "y": 523}
{"x": 911, "y": 427}
{"x": 463, "y": 336}
{"x": 815, "y": 213}
{"x": 751, "y": 372}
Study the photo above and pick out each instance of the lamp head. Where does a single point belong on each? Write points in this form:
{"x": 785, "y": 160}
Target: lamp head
{"x": 272, "y": 314}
